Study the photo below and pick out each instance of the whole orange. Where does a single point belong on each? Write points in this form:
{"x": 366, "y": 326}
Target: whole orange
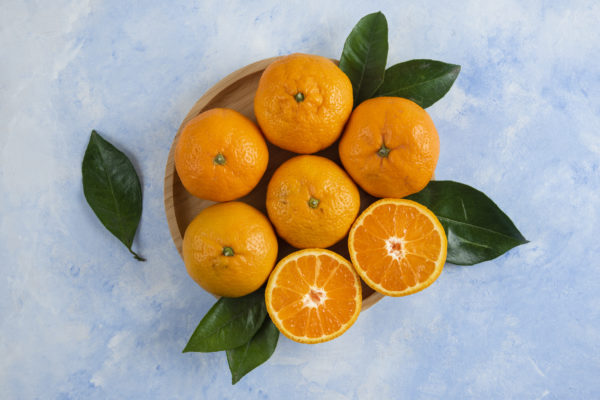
{"x": 230, "y": 249}
{"x": 302, "y": 102}
{"x": 312, "y": 202}
{"x": 220, "y": 155}
{"x": 390, "y": 147}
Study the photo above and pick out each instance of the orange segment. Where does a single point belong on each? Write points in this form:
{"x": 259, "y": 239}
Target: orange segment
{"x": 313, "y": 295}
{"x": 397, "y": 246}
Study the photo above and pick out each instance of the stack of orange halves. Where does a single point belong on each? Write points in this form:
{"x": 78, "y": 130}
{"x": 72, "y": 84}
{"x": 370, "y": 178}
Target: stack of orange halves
{"x": 389, "y": 147}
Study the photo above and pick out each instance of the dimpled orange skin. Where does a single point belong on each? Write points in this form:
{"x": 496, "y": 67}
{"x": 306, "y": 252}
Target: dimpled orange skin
{"x": 220, "y": 155}
{"x": 316, "y": 121}
{"x": 312, "y": 202}
{"x": 250, "y": 238}
{"x": 396, "y": 125}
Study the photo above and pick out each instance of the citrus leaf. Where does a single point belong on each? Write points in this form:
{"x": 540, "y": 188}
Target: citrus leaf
{"x": 230, "y": 323}
{"x": 422, "y": 81}
{"x": 365, "y": 55}
{"x": 245, "y": 358}
{"x": 476, "y": 228}
{"x": 112, "y": 189}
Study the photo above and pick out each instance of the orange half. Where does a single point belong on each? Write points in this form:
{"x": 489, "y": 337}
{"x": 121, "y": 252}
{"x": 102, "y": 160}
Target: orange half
{"x": 313, "y": 295}
{"x": 397, "y": 246}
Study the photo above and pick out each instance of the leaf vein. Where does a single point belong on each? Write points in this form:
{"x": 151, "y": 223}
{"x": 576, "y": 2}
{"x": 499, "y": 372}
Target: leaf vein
{"x": 417, "y": 84}
{"x": 447, "y": 219}
{"x": 113, "y": 196}
{"x": 234, "y": 318}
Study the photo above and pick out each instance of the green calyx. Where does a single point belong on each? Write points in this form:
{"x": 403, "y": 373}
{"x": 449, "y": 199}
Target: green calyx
{"x": 219, "y": 159}
{"x": 299, "y": 97}
{"x": 228, "y": 251}
{"x": 383, "y": 151}
{"x": 313, "y": 203}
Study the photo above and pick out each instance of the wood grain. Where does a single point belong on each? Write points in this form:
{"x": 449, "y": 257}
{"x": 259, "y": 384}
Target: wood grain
{"x": 236, "y": 91}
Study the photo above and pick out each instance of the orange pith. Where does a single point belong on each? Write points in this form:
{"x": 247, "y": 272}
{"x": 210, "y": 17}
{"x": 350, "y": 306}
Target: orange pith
{"x": 313, "y": 295}
{"x": 398, "y": 247}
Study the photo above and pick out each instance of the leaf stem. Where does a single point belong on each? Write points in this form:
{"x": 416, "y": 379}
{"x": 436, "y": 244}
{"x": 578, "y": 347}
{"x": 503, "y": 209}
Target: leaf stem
{"x": 313, "y": 203}
{"x": 228, "y": 251}
{"x": 383, "y": 151}
{"x": 135, "y": 255}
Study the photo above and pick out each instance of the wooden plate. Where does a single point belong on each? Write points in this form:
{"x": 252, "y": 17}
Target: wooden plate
{"x": 236, "y": 91}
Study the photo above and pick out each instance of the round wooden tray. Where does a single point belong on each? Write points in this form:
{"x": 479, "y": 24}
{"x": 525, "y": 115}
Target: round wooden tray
{"x": 236, "y": 91}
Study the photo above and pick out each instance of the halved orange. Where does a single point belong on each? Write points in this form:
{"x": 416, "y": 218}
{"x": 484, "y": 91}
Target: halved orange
{"x": 313, "y": 295}
{"x": 397, "y": 246}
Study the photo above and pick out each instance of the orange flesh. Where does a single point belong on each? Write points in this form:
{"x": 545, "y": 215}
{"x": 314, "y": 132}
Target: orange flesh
{"x": 314, "y": 297}
{"x": 397, "y": 247}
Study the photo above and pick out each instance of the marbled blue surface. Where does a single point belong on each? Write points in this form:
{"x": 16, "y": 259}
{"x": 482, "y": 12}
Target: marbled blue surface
{"x": 80, "y": 319}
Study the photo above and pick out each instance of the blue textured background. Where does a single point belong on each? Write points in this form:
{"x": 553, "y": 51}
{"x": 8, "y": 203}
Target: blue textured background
{"x": 79, "y": 318}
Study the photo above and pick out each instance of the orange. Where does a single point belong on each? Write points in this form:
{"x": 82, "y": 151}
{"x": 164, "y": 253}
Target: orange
{"x": 390, "y": 147}
{"x": 230, "y": 249}
{"x": 220, "y": 155}
{"x": 313, "y": 295}
{"x": 398, "y": 247}
{"x": 312, "y": 202}
{"x": 302, "y": 102}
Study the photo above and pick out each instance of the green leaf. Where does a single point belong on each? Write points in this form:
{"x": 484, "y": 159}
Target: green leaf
{"x": 230, "y": 323}
{"x": 112, "y": 189}
{"x": 245, "y": 358}
{"x": 476, "y": 228}
{"x": 422, "y": 81}
{"x": 365, "y": 55}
